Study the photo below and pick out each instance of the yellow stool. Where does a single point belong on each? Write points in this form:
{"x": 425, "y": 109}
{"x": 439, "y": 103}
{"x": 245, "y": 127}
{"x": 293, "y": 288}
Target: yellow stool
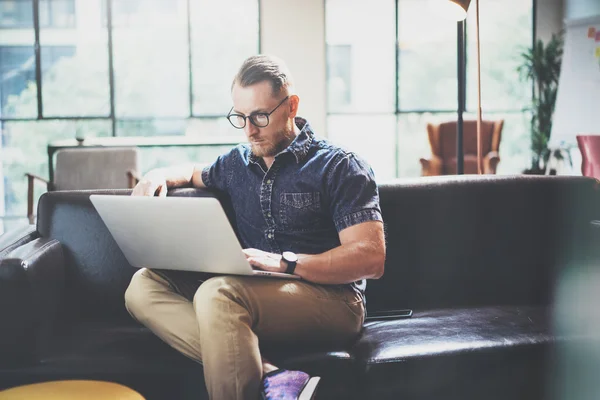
{"x": 71, "y": 390}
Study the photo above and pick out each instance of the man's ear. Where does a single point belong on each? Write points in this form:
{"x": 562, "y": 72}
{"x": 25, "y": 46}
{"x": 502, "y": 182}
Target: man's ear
{"x": 294, "y": 102}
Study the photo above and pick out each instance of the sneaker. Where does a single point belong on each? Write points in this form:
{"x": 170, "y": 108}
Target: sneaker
{"x": 289, "y": 385}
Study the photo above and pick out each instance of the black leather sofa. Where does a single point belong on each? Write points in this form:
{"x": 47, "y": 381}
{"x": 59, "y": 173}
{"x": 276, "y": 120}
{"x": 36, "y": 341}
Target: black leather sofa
{"x": 477, "y": 258}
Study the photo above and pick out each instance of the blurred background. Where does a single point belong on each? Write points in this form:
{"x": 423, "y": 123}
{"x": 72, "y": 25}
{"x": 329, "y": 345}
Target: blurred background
{"x": 370, "y": 75}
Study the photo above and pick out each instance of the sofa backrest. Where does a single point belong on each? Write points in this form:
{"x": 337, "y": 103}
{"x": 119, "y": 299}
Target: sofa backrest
{"x": 458, "y": 241}
{"x": 97, "y": 272}
{"x": 451, "y": 242}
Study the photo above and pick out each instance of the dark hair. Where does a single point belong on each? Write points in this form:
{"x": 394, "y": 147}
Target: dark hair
{"x": 262, "y": 68}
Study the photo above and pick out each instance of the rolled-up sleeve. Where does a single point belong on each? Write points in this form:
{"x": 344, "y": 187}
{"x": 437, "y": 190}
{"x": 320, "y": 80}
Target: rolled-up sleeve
{"x": 353, "y": 193}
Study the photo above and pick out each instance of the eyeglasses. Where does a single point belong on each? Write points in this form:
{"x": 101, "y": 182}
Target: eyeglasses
{"x": 259, "y": 119}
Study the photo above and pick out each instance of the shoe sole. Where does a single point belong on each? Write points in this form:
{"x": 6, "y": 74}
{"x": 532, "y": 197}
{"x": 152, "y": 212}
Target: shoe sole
{"x": 310, "y": 389}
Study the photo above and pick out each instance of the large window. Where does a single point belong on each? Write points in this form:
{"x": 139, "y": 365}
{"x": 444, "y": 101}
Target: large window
{"x": 115, "y": 67}
{"x": 53, "y": 13}
{"x": 392, "y": 69}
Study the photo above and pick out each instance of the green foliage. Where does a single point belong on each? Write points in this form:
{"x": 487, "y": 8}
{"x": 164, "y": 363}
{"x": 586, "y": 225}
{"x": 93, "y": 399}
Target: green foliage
{"x": 541, "y": 67}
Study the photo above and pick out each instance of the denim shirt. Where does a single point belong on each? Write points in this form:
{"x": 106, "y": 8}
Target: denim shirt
{"x": 312, "y": 191}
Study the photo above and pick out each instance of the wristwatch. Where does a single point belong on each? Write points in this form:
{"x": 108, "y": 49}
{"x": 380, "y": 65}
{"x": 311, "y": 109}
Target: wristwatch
{"x": 290, "y": 259}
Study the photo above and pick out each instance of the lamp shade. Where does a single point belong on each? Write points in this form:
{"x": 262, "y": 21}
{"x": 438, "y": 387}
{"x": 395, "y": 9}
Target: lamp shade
{"x": 456, "y": 9}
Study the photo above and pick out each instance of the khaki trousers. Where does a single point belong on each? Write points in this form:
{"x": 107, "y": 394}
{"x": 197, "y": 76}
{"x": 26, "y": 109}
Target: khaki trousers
{"x": 219, "y": 322}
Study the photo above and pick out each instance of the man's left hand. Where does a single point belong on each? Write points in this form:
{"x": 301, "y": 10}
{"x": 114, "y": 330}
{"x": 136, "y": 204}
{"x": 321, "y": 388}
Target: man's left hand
{"x": 265, "y": 261}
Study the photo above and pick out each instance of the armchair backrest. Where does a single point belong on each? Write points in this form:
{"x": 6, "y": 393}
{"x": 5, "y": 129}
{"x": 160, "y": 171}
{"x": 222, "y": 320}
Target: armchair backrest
{"x": 442, "y": 139}
{"x": 95, "y": 168}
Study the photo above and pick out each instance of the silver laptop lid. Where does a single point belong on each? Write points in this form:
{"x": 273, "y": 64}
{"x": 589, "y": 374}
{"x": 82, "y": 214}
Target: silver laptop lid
{"x": 181, "y": 233}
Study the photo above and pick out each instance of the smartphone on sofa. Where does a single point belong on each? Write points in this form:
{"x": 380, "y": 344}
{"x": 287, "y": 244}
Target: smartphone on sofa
{"x": 389, "y": 314}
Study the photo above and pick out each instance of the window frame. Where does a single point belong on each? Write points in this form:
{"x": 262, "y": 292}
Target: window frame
{"x": 398, "y": 111}
{"x": 110, "y": 48}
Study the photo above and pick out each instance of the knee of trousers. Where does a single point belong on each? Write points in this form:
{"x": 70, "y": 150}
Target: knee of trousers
{"x": 218, "y": 291}
{"x": 137, "y": 299}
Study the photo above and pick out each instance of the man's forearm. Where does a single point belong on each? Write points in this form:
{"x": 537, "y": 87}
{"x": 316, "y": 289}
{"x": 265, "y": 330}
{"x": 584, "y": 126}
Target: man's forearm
{"x": 344, "y": 264}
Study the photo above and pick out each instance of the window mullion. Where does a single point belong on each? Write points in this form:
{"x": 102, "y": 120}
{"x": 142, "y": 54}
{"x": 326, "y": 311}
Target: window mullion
{"x": 38, "y": 57}
{"x": 111, "y": 72}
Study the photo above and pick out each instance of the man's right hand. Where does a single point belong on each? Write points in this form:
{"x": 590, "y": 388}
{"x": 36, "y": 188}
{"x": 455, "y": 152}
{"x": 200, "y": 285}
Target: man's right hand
{"x": 152, "y": 184}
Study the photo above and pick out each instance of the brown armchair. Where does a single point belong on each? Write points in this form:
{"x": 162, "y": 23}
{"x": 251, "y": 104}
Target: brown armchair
{"x": 442, "y": 139}
{"x": 89, "y": 168}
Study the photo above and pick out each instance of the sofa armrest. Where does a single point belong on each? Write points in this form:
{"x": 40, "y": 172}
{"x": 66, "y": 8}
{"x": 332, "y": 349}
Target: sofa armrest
{"x": 31, "y": 286}
{"x": 15, "y": 238}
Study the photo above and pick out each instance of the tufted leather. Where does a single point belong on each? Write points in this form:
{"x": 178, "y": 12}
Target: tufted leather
{"x": 478, "y": 257}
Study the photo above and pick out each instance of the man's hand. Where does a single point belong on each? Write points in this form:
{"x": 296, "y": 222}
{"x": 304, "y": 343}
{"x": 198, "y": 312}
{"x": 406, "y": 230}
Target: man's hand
{"x": 152, "y": 184}
{"x": 265, "y": 261}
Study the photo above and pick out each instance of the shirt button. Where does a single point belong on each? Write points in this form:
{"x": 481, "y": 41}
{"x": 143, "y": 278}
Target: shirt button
{"x": 268, "y": 182}
{"x": 270, "y": 236}
{"x": 269, "y": 215}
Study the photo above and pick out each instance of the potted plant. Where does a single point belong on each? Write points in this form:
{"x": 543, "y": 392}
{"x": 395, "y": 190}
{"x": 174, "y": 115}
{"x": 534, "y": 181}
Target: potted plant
{"x": 541, "y": 67}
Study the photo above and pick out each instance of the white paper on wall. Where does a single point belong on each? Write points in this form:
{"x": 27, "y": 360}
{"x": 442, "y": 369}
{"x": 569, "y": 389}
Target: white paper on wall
{"x": 578, "y": 101}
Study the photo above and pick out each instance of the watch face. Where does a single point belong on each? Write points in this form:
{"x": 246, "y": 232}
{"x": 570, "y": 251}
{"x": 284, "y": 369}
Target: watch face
{"x": 289, "y": 256}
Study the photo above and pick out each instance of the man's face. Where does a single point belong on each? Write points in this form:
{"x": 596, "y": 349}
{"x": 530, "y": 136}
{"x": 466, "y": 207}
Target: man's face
{"x": 259, "y": 98}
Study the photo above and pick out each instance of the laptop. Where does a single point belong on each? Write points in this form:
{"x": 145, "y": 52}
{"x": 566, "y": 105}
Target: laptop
{"x": 178, "y": 233}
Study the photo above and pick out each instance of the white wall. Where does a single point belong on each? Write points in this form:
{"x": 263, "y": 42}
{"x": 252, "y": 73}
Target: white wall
{"x": 295, "y": 31}
{"x": 581, "y": 8}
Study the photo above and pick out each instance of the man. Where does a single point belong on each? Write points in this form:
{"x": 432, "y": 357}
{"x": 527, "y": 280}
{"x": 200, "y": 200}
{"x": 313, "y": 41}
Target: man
{"x": 293, "y": 194}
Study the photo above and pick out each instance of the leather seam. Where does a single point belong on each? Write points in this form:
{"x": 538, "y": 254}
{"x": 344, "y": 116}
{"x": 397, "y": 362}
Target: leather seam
{"x": 18, "y": 242}
{"x": 38, "y": 251}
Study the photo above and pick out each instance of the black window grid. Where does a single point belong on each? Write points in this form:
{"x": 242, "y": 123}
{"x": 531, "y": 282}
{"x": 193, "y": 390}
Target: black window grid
{"x": 111, "y": 77}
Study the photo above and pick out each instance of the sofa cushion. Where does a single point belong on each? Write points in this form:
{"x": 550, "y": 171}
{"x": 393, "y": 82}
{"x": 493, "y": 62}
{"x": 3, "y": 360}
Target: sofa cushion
{"x": 458, "y": 353}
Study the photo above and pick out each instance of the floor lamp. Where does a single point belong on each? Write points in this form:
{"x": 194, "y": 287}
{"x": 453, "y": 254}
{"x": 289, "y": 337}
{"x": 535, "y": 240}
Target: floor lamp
{"x": 457, "y": 9}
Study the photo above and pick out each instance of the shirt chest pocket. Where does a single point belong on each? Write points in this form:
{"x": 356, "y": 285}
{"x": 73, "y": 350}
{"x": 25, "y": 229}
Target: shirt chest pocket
{"x": 301, "y": 211}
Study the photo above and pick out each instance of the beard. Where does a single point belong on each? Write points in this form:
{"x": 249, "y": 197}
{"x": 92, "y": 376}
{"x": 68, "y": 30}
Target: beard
{"x": 271, "y": 149}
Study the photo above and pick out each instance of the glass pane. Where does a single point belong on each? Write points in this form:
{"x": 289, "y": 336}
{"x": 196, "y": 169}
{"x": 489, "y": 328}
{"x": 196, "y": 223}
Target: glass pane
{"x": 371, "y": 137}
{"x": 360, "y": 55}
{"x": 506, "y": 31}
{"x": 151, "y": 58}
{"x": 23, "y": 148}
{"x": 59, "y": 13}
{"x": 75, "y": 78}
{"x": 204, "y": 127}
{"x": 75, "y": 65}
{"x": 224, "y": 33}
{"x": 427, "y": 76}
{"x": 154, "y": 157}
{"x": 213, "y": 127}
{"x": 515, "y": 143}
{"x": 16, "y": 14}
{"x": 18, "y": 90}
{"x": 151, "y": 127}
{"x": 8, "y": 224}
{"x": 413, "y": 142}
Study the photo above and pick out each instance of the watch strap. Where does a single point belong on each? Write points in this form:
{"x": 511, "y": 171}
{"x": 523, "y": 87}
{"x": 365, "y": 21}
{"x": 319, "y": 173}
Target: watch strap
{"x": 291, "y": 266}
